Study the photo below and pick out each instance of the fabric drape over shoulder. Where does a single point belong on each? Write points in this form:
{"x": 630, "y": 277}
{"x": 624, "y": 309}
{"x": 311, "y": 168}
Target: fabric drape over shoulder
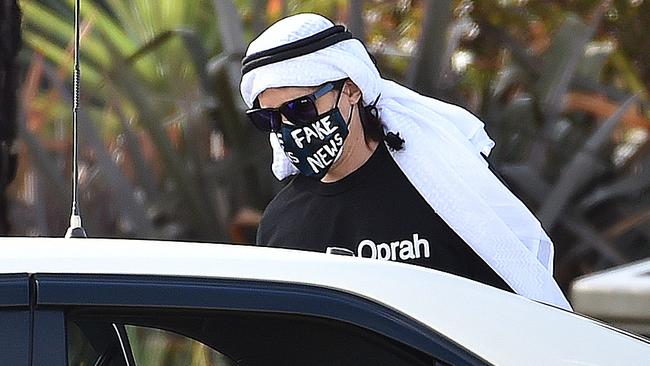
{"x": 441, "y": 155}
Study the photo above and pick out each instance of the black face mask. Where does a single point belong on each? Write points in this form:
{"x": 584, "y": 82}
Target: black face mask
{"x": 315, "y": 146}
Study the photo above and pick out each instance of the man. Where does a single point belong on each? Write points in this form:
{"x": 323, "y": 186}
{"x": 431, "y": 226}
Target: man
{"x": 381, "y": 170}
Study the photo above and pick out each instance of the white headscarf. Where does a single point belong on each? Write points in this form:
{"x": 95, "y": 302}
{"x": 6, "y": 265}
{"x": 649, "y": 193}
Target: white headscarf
{"x": 441, "y": 155}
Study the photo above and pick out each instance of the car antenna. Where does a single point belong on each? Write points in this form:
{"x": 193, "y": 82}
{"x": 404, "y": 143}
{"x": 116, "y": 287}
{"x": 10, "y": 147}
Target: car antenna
{"x": 75, "y": 230}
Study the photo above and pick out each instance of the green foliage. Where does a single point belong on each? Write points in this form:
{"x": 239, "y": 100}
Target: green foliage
{"x": 146, "y": 67}
{"x": 164, "y": 124}
{"x": 552, "y": 110}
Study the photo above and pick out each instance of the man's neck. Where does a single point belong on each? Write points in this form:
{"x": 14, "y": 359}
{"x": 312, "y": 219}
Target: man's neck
{"x": 355, "y": 153}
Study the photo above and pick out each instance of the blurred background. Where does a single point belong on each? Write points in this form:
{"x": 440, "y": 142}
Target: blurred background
{"x": 166, "y": 151}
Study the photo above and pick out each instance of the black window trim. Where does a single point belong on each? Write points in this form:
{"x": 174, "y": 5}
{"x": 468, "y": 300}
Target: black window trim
{"x": 14, "y": 290}
{"x": 16, "y": 316}
{"x": 246, "y": 295}
{"x": 48, "y": 338}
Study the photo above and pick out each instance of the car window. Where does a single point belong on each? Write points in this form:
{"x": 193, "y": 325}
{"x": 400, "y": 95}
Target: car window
{"x": 165, "y": 337}
{"x": 250, "y": 322}
{"x": 80, "y": 350}
{"x": 157, "y": 347}
{"x": 96, "y": 343}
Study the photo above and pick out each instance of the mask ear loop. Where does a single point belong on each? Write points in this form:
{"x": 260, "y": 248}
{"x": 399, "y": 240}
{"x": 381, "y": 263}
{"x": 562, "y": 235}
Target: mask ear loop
{"x": 350, "y": 116}
{"x": 372, "y": 107}
{"x": 338, "y": 99}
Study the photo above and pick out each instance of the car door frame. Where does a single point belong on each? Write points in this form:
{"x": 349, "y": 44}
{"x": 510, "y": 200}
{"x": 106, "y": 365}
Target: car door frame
{"x": 16, "y": 318}
{"x": 128, "y": 291}
{"x": 33, "y": 334}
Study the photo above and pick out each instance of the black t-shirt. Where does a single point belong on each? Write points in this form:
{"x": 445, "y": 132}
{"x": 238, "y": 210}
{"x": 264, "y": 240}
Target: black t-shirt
{"x": 375, "y": 212}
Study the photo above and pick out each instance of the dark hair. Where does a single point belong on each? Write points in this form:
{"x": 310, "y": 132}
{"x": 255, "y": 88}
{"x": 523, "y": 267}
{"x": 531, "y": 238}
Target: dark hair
{"x": 372, "y": 129}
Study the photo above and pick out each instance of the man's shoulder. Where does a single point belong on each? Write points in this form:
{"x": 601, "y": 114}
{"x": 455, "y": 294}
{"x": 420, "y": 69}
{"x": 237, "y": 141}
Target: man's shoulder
{"x": 276, "y": 211}
{"x": 288, "y": 191}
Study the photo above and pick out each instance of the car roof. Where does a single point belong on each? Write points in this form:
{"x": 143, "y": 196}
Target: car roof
{"x": 500, "y": 327}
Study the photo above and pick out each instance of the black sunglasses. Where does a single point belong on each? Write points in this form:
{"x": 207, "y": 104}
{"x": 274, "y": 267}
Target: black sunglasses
{"x": 299, "y": 111}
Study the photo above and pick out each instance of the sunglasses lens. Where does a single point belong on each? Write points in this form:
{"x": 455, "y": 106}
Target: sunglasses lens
{"x": 265, "y": 120}
{"x": 299, "y": 110}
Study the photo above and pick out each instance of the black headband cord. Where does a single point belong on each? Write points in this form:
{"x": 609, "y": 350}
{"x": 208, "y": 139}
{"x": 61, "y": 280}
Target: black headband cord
{"x": 301, "y": 47}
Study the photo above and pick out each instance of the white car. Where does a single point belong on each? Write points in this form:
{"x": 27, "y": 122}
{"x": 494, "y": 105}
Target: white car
{"x": 71, "y": 302}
